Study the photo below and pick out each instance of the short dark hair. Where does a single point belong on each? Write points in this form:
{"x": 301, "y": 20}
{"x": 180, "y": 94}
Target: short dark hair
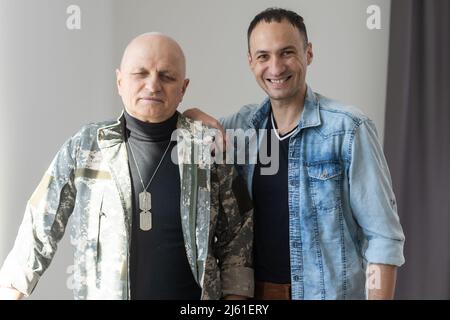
{"x": 278, "y": 15}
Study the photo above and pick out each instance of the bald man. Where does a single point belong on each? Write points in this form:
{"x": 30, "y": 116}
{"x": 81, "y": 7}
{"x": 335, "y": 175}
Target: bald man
{"x": 148, "y": 222}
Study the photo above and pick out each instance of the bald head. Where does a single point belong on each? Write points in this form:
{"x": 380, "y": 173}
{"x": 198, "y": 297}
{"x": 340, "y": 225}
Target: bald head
{"x": 152, "y": 77}
{"x": 154, "y": 42}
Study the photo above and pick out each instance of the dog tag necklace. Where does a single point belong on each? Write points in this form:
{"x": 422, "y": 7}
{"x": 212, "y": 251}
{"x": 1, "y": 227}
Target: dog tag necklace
{"x": 145, "y": 198}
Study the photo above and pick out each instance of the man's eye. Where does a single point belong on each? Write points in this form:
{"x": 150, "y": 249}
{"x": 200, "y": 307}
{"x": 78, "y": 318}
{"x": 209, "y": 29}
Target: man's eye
{"x": 262, "y": 57}
{"x": 288, "y": 53}
{"x": 167, "y": 77}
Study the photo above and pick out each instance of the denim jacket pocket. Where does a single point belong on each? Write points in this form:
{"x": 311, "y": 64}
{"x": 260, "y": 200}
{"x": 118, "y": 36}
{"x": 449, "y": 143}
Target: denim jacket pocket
{"x": 325, "y": 178}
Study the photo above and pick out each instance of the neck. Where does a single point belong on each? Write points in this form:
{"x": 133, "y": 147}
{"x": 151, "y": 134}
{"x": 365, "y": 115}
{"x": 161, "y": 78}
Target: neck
{"x": 146, "y": 131}
{"x": 287, "y": 113}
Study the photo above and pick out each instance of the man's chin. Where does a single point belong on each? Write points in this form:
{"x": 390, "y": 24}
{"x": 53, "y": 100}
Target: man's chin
{"x": 280, "y": 95}
{"x": 277, "y": 96}
{"x": 155, "y": 116}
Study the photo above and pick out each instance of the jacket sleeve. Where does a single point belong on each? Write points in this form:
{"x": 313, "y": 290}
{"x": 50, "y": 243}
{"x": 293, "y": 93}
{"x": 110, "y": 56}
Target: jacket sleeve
{"x": 234, "y": 233}
{"x": 43, "y": 224}
{"x": 372, "y": 199}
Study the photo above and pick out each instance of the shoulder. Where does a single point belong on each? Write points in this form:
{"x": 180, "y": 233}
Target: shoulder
{"x": 86, "y": 136}
{"x": 92, "y": 128}
{"x": 339, "y": 116}
{"x": 248, "y": 109}
{"x": 241, "y": 118}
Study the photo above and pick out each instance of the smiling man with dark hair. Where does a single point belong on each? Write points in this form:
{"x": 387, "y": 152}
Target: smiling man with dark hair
{"x": 329, "y": 211}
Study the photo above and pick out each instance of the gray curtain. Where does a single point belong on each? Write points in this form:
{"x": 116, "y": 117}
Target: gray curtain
{"x": 417, "y": 142}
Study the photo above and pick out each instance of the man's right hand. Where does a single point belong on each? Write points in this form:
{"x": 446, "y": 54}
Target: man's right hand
{"x": 198, "y": 115}
{"x": 209, "y": 121}
{"x": 10, "y": 294}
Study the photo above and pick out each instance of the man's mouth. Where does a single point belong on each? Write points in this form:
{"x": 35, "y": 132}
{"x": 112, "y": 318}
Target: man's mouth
{"x": 151, "y": 99}
{"x": 278, "y": 80}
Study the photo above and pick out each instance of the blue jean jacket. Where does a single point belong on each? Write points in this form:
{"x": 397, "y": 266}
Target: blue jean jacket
{"x": 342, "y": 210}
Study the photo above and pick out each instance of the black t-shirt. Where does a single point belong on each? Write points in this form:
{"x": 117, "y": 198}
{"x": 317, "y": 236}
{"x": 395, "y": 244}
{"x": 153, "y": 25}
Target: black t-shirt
{"x": 159, "y": 268}
{"x": 270, "y": 198}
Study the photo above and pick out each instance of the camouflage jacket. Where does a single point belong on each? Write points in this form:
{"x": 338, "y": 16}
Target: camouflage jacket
{"x": 89, "y": 181}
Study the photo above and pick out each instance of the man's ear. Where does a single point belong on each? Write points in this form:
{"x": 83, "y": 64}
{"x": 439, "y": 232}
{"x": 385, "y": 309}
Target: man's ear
{"x": 118, "y": 80}
{"x": 250, "y": 60}
{"x": 185, "y": 85}
{"x": 309, "y": 53}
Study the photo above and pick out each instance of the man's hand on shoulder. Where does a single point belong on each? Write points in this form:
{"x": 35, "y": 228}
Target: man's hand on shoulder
{"x": 198, "y": 115}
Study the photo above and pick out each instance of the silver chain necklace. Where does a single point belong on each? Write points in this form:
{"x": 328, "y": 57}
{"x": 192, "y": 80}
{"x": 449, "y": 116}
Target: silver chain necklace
{"x": 145, "y": 198}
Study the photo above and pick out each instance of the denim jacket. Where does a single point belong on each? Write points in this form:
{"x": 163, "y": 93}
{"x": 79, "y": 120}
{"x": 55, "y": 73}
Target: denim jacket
{"x": 342, "y": 210}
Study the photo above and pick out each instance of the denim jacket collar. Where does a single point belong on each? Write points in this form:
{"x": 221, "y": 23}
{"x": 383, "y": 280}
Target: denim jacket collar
{"x": 310, "y": 115}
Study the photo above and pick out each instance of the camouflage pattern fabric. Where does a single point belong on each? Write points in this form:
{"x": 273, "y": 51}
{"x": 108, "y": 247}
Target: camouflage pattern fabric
{"x": 89, "y": 182}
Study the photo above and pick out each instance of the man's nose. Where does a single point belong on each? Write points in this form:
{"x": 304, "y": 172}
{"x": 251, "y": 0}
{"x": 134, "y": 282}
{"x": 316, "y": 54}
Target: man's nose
{"x": 277, "y": 66}
{"x": 152, "y": 83}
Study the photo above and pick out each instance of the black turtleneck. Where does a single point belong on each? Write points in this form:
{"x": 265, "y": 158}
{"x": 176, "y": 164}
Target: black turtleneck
{"x": 159, "y": 268}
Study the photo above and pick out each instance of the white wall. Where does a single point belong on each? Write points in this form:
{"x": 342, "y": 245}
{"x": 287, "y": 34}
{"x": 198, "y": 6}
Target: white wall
{"x": 53, "y": 80}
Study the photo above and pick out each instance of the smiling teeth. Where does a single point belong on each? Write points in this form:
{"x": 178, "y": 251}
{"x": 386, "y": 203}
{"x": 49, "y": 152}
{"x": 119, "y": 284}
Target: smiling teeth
{"x": 278, "y": 81}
